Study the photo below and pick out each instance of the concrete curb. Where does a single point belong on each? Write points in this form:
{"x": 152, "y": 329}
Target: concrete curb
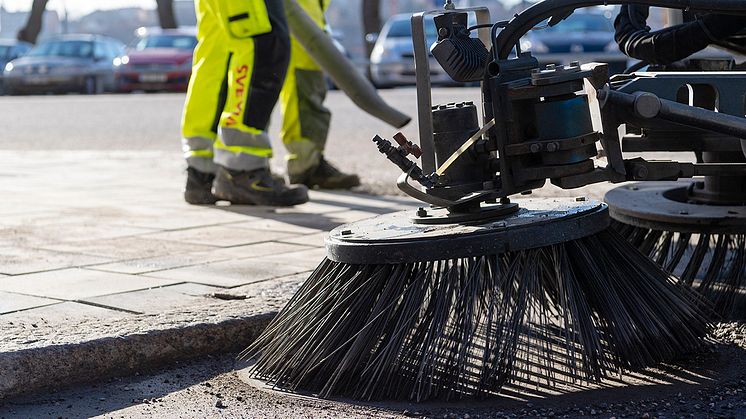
{"x": 49, "y": 367}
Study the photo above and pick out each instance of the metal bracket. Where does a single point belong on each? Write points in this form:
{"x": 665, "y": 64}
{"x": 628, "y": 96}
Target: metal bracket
{"x": 422, "y": 71}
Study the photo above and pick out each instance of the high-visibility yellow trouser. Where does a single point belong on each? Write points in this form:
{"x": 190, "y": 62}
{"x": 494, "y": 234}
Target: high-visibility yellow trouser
{"x": 305, "y": 123}
{"x": 239, "y": 67}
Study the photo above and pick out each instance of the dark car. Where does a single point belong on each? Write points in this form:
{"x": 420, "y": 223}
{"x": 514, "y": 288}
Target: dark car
{"x": 67, "y": 63}
{"x": 583, "y": 36}
{"x": 159, "y": 60}
{"x": 10, "y": 49}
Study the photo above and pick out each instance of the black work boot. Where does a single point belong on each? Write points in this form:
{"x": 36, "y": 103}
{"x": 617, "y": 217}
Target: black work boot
{"x": 326, "y": 176}
{"x": 256, "y": 187}
{"x": 198, "y": 190}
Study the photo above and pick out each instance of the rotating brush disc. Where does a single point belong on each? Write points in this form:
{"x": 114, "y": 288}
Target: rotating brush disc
{"x": 408, "y": 311}
{"x": 703, "y": 245}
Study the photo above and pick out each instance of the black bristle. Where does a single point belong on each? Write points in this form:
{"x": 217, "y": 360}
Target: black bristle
{"x": 578, "y": 311}
{"x": 714, "y": 265}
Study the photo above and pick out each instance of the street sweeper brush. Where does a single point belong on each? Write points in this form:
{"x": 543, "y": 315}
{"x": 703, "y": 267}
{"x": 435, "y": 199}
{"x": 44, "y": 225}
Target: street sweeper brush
{"x": 406, "y": 308}
{"x": 476, "y": 291}
{"x": 703, "y": 245}
{"x": 694, "y": 229}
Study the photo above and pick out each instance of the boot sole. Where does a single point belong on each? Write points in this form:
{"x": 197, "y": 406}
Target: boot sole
{"x": 194, "y": 198}
{"x": 227, "y": 196}
{"x": 331, "y": 186}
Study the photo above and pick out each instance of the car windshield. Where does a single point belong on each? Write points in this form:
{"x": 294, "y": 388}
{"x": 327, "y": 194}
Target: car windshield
{"x": 402, "y": 28}
{"x": 5, "y": 50}
{"x": 167, "y": 41}
{"x": 76, "y": 49}
{"x": 583, "y": 23}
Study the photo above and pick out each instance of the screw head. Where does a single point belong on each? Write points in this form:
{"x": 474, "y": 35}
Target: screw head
{"x": 535, "y": 147}
{"x": 421, "y": 212}
{"x": 552, "y": 147}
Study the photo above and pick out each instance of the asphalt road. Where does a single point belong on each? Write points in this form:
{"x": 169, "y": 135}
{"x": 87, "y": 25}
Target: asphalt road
{"x": 712, "y": 385}
{"x": 152, "y": 121}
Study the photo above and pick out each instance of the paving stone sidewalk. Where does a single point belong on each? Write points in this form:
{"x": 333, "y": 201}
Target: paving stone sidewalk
{"x": 99, "y": 244}
{"x": 90, "y": 235}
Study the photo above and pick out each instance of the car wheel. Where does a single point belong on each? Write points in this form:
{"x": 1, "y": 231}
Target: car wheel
{"x": 93, "y": 85}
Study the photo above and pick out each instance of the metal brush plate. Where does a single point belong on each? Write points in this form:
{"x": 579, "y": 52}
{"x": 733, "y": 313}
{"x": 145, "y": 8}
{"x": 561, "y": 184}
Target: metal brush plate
{"x": 652, "y": 205}
{"x": 395, "y": 238}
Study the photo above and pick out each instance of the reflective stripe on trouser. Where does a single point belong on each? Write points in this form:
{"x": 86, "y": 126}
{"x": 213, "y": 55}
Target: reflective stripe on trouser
{"x": 305, "y": 124}
{"x": 239, "y": 66}
{"x": 199, "y": 154}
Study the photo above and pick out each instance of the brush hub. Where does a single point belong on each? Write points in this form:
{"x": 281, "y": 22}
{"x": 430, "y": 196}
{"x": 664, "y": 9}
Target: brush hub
{"x": 666, "y": 206}
{"x": 481, "y": 214}
{"x": 396, "y": 238}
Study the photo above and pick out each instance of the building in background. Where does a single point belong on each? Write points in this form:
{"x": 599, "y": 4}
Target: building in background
{"x": 116, "y": 23}
{"x": 12, "y": 22}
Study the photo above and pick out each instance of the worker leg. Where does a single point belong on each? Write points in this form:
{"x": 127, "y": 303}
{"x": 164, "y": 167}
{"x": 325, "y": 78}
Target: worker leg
{"x": 256, "y": 72}
{"x": 206, "y": 94}
{"x": 259, "y": 41}
{"x": 205, "y": 99}
{"x": 305, "y": 124}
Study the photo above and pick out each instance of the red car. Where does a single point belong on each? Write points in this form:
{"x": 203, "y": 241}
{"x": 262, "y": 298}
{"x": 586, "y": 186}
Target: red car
{"x": 160, "y": 60}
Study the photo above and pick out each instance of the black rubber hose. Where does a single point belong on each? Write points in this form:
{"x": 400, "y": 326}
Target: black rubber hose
{"x": 671, "y": 44}
{"x": 524, "y": 21}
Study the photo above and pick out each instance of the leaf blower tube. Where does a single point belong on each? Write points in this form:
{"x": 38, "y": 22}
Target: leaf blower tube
{"x": 524, "y": 21}
{"x": 344, "y": 74}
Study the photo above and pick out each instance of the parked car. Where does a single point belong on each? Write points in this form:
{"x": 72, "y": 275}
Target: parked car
{"x": 68, "y": 63}
{"x": 159, "y": 60}
{"x": 392, "y": 59}
{"x": 583, "y": 36}
{"x": 10, "y": 49}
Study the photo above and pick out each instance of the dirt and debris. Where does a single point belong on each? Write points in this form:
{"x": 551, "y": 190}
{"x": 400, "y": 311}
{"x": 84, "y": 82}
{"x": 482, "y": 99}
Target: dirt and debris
{"x": 712, "y": 384}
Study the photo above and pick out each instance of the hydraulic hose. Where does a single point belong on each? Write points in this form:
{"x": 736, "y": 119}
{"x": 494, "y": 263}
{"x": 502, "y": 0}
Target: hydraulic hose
{"x": 674, "y": 43}
{"x": 524, "y": 21}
